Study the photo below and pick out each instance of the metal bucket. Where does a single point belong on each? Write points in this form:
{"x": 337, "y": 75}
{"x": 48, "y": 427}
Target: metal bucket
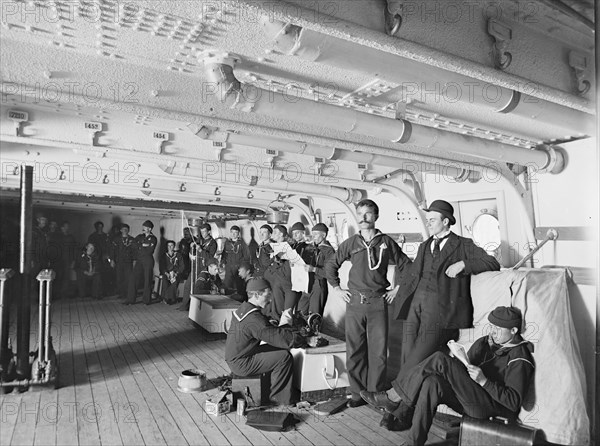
{"x": 278, "y": 213}
{"x": 192, "y": 381}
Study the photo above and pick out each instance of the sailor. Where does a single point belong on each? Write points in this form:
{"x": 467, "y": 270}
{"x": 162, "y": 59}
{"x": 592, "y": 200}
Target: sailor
{"x": 88, "y": 271}
{"x": 246, "y": 272}
{"x": 235, "y": 251}
{"x": 279, "y": 275}
{"x": 263, "y": 255}
{"x": 435, "y": 296}
{"x": 367, "y": 299}
{"x": 122, "y": 259}
{"x": 321, "y": 251}
{"x": 171, "y": 275}
{"x": 143, "y": 267}
{"x": 209, "y": 280}
{"x": 494, "y": 381}
{"x": 207, "y": 247}
{"x": 249, "y": 329}
{"x": 184, "y": 250}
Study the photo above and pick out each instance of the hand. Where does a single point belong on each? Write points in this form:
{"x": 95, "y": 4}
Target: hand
{"x": 476, "y": 375}
{"x": 312, "y": 341}
{"x": 455, "y": 269}
{"x": 390, "y": 295}
{"x": 344, "y": 294}
{"x": 112, "y": 263}
{"x": 310, "y": 269}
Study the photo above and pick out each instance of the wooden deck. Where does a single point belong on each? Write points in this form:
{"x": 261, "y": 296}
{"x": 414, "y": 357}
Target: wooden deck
{"x": 119, "y": 367}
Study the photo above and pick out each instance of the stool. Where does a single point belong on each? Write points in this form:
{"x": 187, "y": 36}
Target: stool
{"x": 254, "y": 389}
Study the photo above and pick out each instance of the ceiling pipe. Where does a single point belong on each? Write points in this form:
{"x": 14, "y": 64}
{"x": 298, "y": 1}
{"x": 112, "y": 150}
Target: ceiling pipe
{"x": 199, "y": 121}
{"x": 219, "y": 71}
{"x": 406, "y": 49}
{"x": 317, "y": 47}
{"x": 334, "y": 154}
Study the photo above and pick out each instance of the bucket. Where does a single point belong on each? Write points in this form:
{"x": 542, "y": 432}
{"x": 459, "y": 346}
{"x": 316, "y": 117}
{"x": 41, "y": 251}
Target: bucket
{"x": 192, "y": 381}
{"x": 278, "y": 213}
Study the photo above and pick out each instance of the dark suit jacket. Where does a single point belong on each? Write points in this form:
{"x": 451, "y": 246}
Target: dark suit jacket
{"x": 454, "y": 295}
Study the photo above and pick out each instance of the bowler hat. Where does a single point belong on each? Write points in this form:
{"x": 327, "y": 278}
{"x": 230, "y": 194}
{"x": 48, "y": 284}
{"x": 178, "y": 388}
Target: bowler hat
{"x": 444, "y": 208}
{"x": 321, "y": 227}
{"x": 148, "y": 224}
{"x": 257, "y": 284}
{"x": 506, "y": 317}
{"x": 298, "y": 227}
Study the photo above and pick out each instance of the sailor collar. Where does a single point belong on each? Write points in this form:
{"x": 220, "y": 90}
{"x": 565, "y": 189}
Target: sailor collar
{"x": 244, "y": 310}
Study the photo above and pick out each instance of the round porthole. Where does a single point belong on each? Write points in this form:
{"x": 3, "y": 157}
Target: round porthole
{"x": 486, "y": 232}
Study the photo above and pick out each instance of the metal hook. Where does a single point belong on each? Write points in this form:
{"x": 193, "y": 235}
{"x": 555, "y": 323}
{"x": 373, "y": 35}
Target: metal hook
{"x": 392, "y": 29}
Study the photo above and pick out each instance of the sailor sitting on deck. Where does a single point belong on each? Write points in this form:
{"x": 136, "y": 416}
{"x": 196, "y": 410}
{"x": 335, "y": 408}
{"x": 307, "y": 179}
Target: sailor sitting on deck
{"x": 243, "y": 350}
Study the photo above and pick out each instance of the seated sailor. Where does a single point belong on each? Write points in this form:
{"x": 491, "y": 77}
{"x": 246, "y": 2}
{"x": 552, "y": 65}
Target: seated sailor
{"x": 209, "y": 280}
{"x": 493, "y": 382}
{"x": 243, "y": 350}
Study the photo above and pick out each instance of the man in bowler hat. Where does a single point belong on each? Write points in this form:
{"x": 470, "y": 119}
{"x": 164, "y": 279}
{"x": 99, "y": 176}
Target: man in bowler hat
{"x": 143, "y": 267}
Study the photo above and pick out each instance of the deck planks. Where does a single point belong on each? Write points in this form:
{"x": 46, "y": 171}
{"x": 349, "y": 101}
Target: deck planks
{"x": 119, "y": 369}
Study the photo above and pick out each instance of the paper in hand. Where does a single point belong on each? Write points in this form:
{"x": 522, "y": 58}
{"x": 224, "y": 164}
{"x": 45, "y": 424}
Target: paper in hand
{"x": 459, "y": 352}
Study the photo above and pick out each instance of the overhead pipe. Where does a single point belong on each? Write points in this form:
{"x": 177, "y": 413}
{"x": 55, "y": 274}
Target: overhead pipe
{"x": 318, "y": 47}
{"x": 334, "y": 154}
{"x": 200, "y": 120}
{"x": 219, "y": 71}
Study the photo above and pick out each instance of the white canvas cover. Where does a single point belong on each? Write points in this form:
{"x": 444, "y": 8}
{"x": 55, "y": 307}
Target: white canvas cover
{"x": 556, "y": 402}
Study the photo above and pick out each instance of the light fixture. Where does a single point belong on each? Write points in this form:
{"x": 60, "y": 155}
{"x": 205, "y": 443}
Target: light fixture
{"x": 146, "y": 184}
{"x": 217, "y": 190}
{"x": 250, "y": 194}
{"x": 182, "y": 188}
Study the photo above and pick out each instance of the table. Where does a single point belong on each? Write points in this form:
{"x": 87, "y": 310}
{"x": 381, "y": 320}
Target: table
{"x": 212, "y": 312}
{"x": 320, "y": 372}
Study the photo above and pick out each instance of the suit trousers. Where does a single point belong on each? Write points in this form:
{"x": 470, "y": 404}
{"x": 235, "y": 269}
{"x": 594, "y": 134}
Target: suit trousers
{"x": 269, "y": 359}
{"x": 366, "y": 342}
{"x": 421, "y": 337}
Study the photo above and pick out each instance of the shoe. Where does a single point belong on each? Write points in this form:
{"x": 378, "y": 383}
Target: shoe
{"x": 391, "y": 423}
{"x": 355, "y": 403}
{"x": 379, "y": 400}
{"x": 127, "y": 303}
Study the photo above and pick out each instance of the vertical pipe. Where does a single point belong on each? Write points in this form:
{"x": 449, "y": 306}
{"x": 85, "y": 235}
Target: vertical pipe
{"x": 41, "y": 320}
{"x": 25, "y": 258}
{"x": 596, "y": 415}
{"x": 3, "y": 337}
{"x": 47, "y": 322}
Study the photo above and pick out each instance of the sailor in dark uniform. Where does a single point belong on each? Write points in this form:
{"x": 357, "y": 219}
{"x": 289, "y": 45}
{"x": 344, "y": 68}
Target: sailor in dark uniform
{"x": 122, "y": 259}
{"x": 207, "y": 248}
{"x": 144, "y": 264}
{"x": 243, "y": 350}
{"x": 209, "y": 280}
{"x": 316, "y": 258}
{"x": 235, "y": 252}
{"x": 263, "y": 254}
{"x": 171, "y": 275}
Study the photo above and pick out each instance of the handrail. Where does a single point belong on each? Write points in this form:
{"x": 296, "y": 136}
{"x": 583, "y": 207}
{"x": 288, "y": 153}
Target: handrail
{"x": 552, "y": 234}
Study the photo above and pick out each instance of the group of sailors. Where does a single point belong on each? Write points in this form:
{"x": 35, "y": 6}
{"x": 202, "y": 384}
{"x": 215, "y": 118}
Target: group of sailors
{"x": 432, "y": 296}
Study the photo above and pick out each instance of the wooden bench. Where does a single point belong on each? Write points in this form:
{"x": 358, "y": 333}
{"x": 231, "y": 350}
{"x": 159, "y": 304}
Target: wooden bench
{"x": 212, "y": 312}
